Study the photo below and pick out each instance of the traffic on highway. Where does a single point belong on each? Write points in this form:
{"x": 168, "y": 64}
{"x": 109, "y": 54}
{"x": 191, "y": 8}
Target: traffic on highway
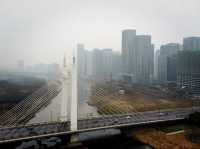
{"x": 18, "y": 133}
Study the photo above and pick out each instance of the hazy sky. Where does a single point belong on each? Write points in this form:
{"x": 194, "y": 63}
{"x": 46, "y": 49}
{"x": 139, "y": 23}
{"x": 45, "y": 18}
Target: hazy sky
{"x": 41, "y": 30}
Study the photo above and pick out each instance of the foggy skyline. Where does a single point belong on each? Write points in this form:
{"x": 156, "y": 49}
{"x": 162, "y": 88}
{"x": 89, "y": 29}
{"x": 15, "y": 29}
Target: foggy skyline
{"x": 41, "y": 30}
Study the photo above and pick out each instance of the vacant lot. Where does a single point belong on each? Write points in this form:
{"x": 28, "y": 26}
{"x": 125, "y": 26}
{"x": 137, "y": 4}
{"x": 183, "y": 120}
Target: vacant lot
{"x": 107, "y": 99}
{"x": 161, "y": 140}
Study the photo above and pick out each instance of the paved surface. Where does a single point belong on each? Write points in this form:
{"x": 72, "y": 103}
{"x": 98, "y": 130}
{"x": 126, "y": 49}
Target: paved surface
{"x": 12, "y": 133}
{"x": 135, "y": 119}
{"x": 58, "y": 128}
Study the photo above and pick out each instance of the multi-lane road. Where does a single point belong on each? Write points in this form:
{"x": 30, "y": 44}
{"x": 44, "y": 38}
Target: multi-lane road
{"x": 135, "y": 118}
{"x": 8, "y": 134}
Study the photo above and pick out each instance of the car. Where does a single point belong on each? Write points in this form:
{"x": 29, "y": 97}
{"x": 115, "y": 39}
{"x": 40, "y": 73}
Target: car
{"x": 161, "y": 114}
{"x": 128, "y": 117}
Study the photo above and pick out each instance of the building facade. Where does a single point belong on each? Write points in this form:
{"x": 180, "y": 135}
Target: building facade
{"x": 129, "y": 52}
{"x": 137, "y": 56}
{"x": 157, "y": 53}
{"x": 188, "y": 71}
{"x": 106, "y": 64}
{"x": 81, "y": 60}
{"x": 188, "y": 65}
{"x": 191, "y": 43}
{"x": 166, "y": 61}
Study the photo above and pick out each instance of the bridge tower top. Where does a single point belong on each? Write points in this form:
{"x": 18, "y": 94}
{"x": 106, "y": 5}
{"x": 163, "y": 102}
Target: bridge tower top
{"x": 74, "y": 98}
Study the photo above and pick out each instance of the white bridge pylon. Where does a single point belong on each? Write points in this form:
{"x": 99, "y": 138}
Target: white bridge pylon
{"x": 70, "y": 93}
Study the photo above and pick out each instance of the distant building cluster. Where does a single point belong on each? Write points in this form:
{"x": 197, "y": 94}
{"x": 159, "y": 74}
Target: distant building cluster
{"x": 180, "y": 65}
{"x": 173, "y": 65}
{"x": 135, "y": 64}
{"x": 98, "y": 64}
{"x": 48, "y": 71}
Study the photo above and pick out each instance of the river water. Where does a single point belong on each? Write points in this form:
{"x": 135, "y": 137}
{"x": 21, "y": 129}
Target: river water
{"x": 53, "y": 111}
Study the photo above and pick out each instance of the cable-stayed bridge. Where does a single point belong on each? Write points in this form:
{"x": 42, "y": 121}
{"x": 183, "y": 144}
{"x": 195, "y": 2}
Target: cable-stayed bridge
{"x": 34, "y": 131}
{"x": 14, "y": 125}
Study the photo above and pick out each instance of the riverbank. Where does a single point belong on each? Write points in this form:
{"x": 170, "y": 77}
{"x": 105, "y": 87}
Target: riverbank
{"x": 31, "y": 106}
{"x": 16, "y": 88}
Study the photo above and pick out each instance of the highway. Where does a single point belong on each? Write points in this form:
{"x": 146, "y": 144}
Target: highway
{"x": 27, "y": 131}
{"x": 134, "y": 119}
{"x": 8, "y": 134}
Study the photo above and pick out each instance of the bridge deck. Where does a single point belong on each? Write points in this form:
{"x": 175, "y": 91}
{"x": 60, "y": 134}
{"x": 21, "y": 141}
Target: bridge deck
{"x": 113, "y": 121}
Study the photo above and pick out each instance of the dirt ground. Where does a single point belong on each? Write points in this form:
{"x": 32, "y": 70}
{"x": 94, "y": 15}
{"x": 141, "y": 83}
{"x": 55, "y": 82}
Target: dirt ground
{"x": 135, "y": 99}
{"x": 160, "y": 140}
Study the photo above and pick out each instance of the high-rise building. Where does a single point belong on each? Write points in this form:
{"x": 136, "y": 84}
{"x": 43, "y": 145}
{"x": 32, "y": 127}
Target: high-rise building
{"x": 137, "y": 56}
{"x": 102, "y": 60}
{"x": 107, "y": 60}
{"x": 164, "y": 59}
{"x": 191, "y": 43}
{"x": 129, "y": 52}
{"x": 144, "y": 59}
{"x": 188, "y": 65}
{"x": 157, "y": 53}
{"x": 116, "y": 66}
{"x": 89, "y": 63}
{"x": 81, "y": 61}
{"x": 97, "y": 62}
{"x": 188, "y": 71}
{"x": 171, "y": 68}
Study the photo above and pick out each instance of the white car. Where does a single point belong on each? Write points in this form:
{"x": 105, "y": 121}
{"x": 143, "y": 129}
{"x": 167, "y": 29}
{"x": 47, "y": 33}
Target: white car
{"x": 128, "y": 117}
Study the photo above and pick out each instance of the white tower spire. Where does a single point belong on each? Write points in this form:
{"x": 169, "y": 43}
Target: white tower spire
{"x": 73, "y": 112}
{"x": 66, "y": 90}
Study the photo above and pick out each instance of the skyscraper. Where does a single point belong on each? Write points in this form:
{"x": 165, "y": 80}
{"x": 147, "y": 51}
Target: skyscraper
{"x": 129, "y": 52}
{"x": 107, "y": 60}
{"x": 102, "y": 64}
{"x": 157, "y": 53}
{"x": 144, "y": 63}
{"x": 137, "y": 56}
{"x": 81, "y": 62}
{"x": 97, "y": 61}
{"x": 188, "y": 65}
{"x": 116, "y": 65}
{"x": 166, "y": 52}
{"x": 191, "y": 43}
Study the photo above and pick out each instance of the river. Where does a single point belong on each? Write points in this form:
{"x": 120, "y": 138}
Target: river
{"x": 53, "y": 111}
